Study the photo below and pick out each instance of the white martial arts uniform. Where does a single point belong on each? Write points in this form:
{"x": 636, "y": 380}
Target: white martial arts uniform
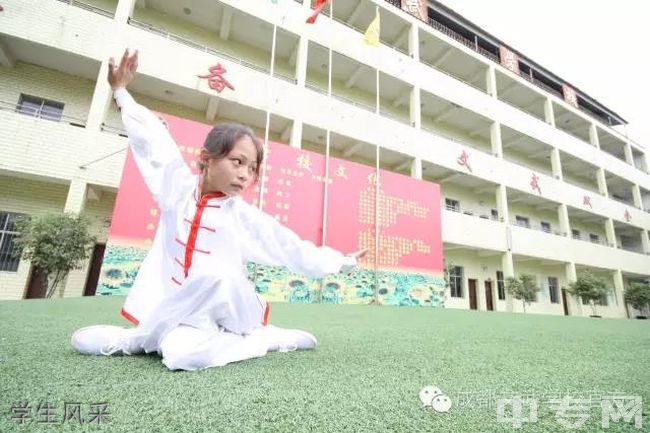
{"x": 191, "y": 299}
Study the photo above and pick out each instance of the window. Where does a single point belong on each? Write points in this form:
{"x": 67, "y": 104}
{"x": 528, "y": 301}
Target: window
{"x": 546, "y": 227}
{"x": 575, "y": 234}
{"x": 456, "y": 282}
{"x": 522, "y": 221}
{"x": 501, "y": 287}
{"x": 8, "y": 262}
{"x": 594, "y": 238}
{"x": 39, "y": 107}
{"x": 453, "y": 205}
{"x": 552, "y": 290}
{"x": 495, "y": 214}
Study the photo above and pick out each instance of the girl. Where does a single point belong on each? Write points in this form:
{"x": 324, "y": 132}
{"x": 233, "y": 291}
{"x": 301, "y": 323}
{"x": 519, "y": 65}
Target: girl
{"x": 191, "y": 300}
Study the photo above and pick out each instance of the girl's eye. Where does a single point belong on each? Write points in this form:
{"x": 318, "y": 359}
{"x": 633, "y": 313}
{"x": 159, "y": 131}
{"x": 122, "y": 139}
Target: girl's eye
{"x": 237, "y": 161}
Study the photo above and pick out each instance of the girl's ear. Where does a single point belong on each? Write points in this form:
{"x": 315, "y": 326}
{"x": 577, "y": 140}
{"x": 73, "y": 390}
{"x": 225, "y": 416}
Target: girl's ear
{"x": 204, "y": 157}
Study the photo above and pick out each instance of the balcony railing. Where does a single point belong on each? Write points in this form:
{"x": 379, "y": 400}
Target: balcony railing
{"x": 43, "y": 113}
{"x": 88, "y": 7}
{"x": 114, "y": 130}
{"x": 205, "y": 49}
{"x": 477, "y": 214}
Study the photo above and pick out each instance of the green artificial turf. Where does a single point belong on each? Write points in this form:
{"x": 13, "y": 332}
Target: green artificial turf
{"x": 365, "y": 375}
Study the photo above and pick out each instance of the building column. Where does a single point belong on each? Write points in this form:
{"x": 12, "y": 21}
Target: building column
{"x": 75, "y": 203}
{"x": 602, "y": 182}
{"x": 124, "y": 10}
{"x": 491, "y": 79}
{"x": 593, "y": 135}
{"x": 301, "y": 60}
{"x": 101, "y": 99}
{"x": 556, "y": 163}
{"x": 495, "y": 139}
{"x": 295, "y": 139}
{"x": 76, "y": 199}
{"x": 619, "y": 289}
{"x": 502, "y": 204}
{"x": 416, "y": 168}
{"x": 645, "y": 241}
{"x": 414, "y": 109}
{"x": 563, "y": 216}
{"x": 549, "y": 116}
{"x": 507, "y": 264}
{"x": 414, "y": 42}
{"x": 574, "y": 302}
{"x": 610, "y": 233}
{"x": 636, "y": 194}
{"x": 629, "y": 156}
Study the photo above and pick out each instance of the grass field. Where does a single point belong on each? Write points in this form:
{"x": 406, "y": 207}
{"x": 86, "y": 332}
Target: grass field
{"x": 365, "y": 375}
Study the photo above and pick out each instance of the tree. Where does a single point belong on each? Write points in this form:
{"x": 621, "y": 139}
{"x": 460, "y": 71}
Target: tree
{"x": 638, "y": 296}
{"x": 590, "y": 288}
{"x": 55, "y": 243}
{"x": 523, "y": 288}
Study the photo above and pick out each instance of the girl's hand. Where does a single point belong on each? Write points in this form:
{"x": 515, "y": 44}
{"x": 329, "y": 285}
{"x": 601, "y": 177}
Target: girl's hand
{"x": 120, "y": 76}
{"x": 358, "y": 254}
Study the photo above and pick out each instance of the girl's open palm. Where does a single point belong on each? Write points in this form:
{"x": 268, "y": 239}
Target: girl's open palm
{"x": 119, "y": 76}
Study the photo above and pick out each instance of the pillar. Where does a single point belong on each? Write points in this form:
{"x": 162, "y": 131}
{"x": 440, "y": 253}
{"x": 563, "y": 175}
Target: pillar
{"x": 295, "y": 139}
{"x": 124, "y": 10}
{"x": 491, "y": 81}
{"x": 563, "y": 217}
{"x": 549, "y": 116}
{"x": 507, "y": 264}
{"x": 610, "y": 233}
{"x": 76, "y": 198}
{"x": 636, "y": 194}
{"x": 556, "y": 163}
{"x": 619, "y": 289}
{"x": 502, "y": 203}
{"x": 495, "y": 139}
{"x": 602, "y": 182}
{"x": 414, "y": 42}
{"x": 301, "y": 60}
{"x": 645, "y": 241}
{"x": 416, "y": 168}
{"x": 575, "y": 303}
{"x": 593, "y": 135}
{"x": 101, "y": 97}
{"x": 629, "y": 156}
{"x": 414, "y": 110}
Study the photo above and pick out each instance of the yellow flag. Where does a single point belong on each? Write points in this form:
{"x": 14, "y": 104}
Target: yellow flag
{"x": 371, "y": 36}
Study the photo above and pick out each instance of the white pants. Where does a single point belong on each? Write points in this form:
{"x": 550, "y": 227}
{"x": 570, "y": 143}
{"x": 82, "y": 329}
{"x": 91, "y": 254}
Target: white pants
{"x": 209, "y": 322}
{"x": 190, "y": 348}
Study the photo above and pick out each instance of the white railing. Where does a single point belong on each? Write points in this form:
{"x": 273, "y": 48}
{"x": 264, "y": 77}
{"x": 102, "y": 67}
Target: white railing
{"x": 43, "y": 113}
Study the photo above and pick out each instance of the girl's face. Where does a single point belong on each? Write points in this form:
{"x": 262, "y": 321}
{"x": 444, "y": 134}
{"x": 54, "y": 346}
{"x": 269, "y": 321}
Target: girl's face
{"x": 233, "y": 173}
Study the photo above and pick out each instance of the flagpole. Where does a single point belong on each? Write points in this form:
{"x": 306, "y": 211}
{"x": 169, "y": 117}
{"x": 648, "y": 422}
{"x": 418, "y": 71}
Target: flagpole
{"x": 328, "y": 132}
{"x": 377, "y": 175}
{"x": 269, "y": 101}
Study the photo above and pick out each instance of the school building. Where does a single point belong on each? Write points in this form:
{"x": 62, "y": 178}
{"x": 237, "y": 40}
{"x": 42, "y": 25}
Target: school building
{"x": 536, "y": 176}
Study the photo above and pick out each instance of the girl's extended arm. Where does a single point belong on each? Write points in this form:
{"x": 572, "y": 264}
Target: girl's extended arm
{"x": 156, "y": 155}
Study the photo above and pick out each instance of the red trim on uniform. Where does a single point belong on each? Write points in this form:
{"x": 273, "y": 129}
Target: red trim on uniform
{"x": 129, "y": 317}
{"x": 176, "y": 281}
{"x": 267, "y": 312}
{"x": 190, "y": 247}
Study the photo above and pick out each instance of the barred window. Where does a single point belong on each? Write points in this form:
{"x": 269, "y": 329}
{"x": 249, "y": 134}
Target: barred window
{"x": 8, "y": 262}
{"x": 456, "y": 282}
{"x": 39, "y": 107}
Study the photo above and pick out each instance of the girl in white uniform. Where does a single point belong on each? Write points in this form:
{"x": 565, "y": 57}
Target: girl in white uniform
{"x": 191, "y": 300}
